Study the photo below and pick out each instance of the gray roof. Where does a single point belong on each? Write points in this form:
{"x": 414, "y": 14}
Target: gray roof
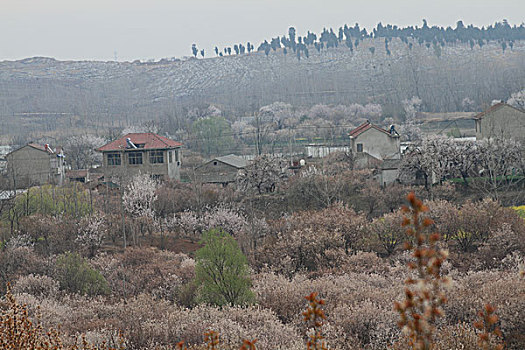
{"x": 233, "y": 160}
{"x": 391, "y": 164}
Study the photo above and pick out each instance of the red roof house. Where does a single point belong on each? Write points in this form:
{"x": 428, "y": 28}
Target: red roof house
{"x": 145, "y": 153}
{"x": 375, "y": 141}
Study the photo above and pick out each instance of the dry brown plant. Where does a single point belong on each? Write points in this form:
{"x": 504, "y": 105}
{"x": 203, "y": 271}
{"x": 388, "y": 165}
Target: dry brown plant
{"x": 424, "y": 295}
{"x": 314, "y": 316}
{"x": 490, "y": 337}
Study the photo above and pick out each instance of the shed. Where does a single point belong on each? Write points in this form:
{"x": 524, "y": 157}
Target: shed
{"x": 221, "y": 170}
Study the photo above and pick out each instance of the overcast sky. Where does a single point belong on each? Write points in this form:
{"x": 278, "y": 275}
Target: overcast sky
{"x": 96, "y": 29}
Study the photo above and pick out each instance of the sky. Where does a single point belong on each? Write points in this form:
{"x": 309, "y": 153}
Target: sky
{"x": 154, "y": 29}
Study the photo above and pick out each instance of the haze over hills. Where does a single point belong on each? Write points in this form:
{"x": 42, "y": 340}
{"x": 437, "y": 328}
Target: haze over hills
{"x": 378, "y": 70}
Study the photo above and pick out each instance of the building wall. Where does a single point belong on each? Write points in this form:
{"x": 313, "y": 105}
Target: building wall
{"x": 388, "y": 176}
{"x": 506, "y": 122}
{"x": 216, "y": 172}
{"x": 126, "y": 171}
{"x": 174, "y": 166}
{"x": 31, "y": 167}
{"x": 319, "y": 151}
{"x": 377, "y": 144}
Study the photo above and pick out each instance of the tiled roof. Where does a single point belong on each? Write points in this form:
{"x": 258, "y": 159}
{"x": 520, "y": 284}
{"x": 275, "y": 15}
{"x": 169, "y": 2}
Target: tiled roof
{"x": 391, "y": 164}
{"x": 149, "y": 140}
{"x": 35, "y": 146}
{"x": 364, "y": 127}
{"x": 233, "y": 160}
{"x": 494, "y": 108}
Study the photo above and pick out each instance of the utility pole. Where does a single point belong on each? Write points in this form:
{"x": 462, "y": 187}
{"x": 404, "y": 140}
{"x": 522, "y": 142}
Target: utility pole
{"x": 122, "y": 212}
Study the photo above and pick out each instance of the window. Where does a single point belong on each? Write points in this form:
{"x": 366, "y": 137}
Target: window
{"x": 177, "y": 156}
{"x": 156, "y": 177}
{"x": 170, "y": 157}
{"x": 114, "y": 159}
{"x": 359, "y": 147}
{"x": 156, "y": 157}
{"x": 215, "y": 163}
{"x": 135, "y": 157}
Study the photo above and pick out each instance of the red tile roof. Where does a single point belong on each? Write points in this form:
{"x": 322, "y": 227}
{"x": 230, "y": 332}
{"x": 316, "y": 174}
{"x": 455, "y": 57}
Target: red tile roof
{"x": 494, "y": 108}
{"x": 364, "y": 127}
{"x": 150, "y": 141}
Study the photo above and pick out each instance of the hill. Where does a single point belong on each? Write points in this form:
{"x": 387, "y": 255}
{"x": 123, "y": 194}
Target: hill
{"x": 119, "y": 93}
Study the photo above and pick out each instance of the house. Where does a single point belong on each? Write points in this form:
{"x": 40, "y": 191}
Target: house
{"x": 34, "y": 165}
{"x": 501, "y": 120}
{"x": 372, "y": 144}
{"x": 145, "y": 153}
{"x": 220, "y": 170}
{"x": 389, "y": 171}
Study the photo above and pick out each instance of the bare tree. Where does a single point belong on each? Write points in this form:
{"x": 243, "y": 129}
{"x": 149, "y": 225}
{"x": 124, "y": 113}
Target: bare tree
{"x": 264, "y": 174}
{"x": 81, "y": 151}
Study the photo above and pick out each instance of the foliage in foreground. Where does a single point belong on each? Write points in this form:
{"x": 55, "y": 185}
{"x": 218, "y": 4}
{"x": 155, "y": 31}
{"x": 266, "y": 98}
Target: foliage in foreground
{"x": 359, "y": 313}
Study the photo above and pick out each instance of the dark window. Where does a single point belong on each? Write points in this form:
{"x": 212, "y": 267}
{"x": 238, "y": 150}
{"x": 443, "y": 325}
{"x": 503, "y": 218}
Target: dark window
{"x": 156, "y": 157}
{"x": 114, "y": 159}
{"x": 177, "y": 155}
{"x": 156, "y": 177}
{"x": 170, "y": 157}
{"x": 215, "y": 163}
{"x": 135, "y": 157}
{"x": 359, "y": 147}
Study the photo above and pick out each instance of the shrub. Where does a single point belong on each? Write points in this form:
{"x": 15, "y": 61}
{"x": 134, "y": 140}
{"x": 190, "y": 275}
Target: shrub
{"x": 16, "y": 262}
{"x": 75, "y": 275}
{"x": 385, "y": 234}
{"x": 39, "y": 286}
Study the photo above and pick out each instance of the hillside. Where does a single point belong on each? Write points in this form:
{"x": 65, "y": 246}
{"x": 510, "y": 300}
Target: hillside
{"x": 130, "y": 92}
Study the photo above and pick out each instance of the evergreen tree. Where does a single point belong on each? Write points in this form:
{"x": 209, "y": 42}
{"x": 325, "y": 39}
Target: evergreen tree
{"x": 194, "y": 50}
{"x": 291, "y": 34}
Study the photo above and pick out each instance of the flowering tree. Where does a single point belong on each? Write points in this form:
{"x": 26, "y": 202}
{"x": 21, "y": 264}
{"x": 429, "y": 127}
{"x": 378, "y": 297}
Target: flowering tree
{"x": 139, "y": 196}
{"x": 91, "y": 233}
{"x": 411, "y": 126}
{"x": 271, "y": 118}
{"x": 138, "y": 199}
{"x": 425, "y": 159}
{"x": 499, "y": 159}
{"x": 468, "y": 104}
{"x": 517, "y": 99}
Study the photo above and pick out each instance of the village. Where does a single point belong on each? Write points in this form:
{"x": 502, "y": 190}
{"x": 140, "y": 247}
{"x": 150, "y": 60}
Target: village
{"x": 371, "y": 147}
